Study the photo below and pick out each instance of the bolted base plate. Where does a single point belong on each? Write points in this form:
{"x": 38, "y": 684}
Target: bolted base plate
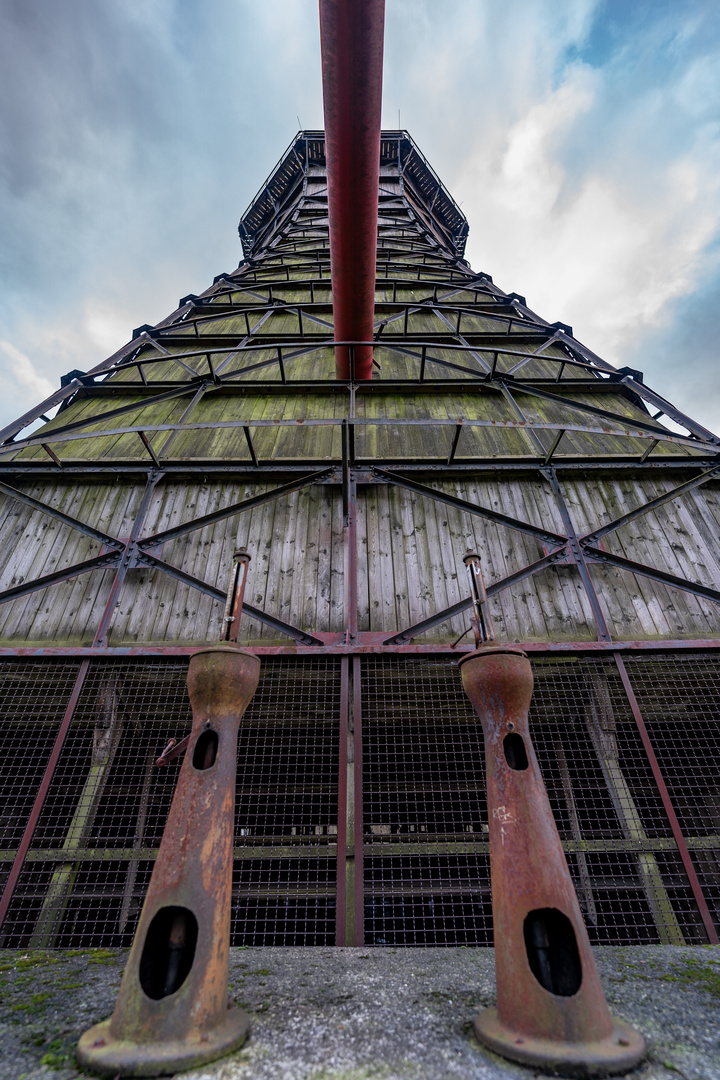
{"x": 98, "y": 1051}
{"x": 618, "y": 1053}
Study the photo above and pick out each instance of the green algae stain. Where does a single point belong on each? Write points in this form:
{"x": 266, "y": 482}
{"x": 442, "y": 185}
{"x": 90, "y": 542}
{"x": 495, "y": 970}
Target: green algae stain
{"x": 103, "y": 956}
{"x": 696, "y": 974}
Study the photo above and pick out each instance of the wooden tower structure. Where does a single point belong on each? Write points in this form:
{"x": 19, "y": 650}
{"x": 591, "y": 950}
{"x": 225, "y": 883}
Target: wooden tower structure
{"x": 361, "y": 814}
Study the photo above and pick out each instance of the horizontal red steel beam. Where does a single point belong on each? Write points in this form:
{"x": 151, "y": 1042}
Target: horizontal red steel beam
{"x": 368, "y": 642}
{"x": 351, "y": 38}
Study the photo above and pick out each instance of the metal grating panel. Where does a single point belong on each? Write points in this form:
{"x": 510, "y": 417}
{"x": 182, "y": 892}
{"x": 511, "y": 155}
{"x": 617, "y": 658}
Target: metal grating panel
{"x": 426, "y": 863}
{"x": 32, "y": 694}
{"x": 622, "y": 855}
{"x": 92, "y": 851}
{"x": 287, "y": 798}
{"x": 679, "y": 698}
{"x": 426, "y": 872}
{"x": 426, "y": 860}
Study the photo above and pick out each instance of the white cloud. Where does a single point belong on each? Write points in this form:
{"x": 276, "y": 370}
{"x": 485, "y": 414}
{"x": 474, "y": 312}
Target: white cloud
{"x": 588, "y": 175}
{"x": 607, "y": 246}
{"x": 19, "y": 367}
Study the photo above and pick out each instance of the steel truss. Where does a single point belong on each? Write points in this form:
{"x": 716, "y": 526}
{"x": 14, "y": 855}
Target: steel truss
{"x": 188, "y": 357}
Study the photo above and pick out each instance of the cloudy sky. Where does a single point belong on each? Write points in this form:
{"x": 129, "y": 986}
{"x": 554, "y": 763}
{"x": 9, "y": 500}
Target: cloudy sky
{"x": 582, "y": 138}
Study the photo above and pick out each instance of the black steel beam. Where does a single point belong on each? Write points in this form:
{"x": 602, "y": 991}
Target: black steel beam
{"x": 593, "y": 410}
{"x": 543, "y": 535}
{"x": 145, "y": 559}
{"x": 605, "y": 465}
{"x": 230, "y": 511}
{"x": 81, "y": 526}
{"x": 100, "y": 562}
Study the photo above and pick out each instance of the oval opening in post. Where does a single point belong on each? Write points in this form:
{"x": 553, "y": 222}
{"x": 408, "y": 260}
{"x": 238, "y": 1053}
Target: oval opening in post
{"x": 168, "y": 952}
{"x": 205, "y": 751}
{"x": 515, "y": 752}
{"x": 552, "y": 951}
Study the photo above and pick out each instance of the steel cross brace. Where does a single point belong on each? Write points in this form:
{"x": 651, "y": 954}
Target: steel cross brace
{"x": 555, "y": 558}
{"x": 143, "y": 558}
{"x": 577, "y": 553}
{"x": 594, "y": 554}
{"x": 674, "y": 493}
{"x": 130, "y": 553}
{"x": 543, "y": 535}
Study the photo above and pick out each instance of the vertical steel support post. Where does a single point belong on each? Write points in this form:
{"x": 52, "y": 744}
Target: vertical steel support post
{"x": 344, "y": 815}
{"x": 351, "y": 565}
{"x": 101, "y": 634}
{"x": 695, "y": 885}
{"x": 358, "y": 818}
{"x": 351, "y": 37}
{"x": 551, "y": 1010}
{"x": 27, "y": 836}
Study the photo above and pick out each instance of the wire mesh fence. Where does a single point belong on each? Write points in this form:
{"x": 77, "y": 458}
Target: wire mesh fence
{"x": 621, "y": 852}
{"x": 33, "y": 698}
{"x": 93, "y": 849}
{"x": 287, "y": 807}
{"x": 425, "y": 846}
{"x": 679, "y": 697}
{"x": 424, "y": 811}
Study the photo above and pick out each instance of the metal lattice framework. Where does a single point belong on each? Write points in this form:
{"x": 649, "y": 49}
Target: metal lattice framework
{"x": 421, "y": 238}
{"x": 237, "y": 389}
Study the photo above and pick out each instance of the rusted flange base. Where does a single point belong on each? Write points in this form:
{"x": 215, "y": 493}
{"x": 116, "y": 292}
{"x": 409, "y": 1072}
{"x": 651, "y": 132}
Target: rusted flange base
{"x": 616, "y": 1054}
{"x": 113, "y": 1056}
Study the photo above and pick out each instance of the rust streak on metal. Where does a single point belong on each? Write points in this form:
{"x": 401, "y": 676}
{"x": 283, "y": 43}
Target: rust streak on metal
{"x": 172, "y": 1009}
{"x": 235, "y": 596}
{"x": 551, "y": 1010}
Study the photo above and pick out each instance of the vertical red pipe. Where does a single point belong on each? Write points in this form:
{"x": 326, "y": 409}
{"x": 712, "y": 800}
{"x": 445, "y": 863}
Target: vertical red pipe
{"x": 351, "y": 38}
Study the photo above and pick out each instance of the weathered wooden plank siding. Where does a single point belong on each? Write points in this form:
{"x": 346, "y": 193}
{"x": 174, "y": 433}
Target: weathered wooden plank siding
{"x": 34, "y": 544}
{"x": 682, "y": 538}
{"x": 403, "y": 442}
{"x": 410, "y": 551}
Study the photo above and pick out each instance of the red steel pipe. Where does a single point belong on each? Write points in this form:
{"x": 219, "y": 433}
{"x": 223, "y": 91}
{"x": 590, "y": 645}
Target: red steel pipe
{"x": 351, "y": 38}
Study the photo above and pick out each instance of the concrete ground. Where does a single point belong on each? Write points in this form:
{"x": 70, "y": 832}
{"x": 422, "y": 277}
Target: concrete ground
{"x": 362, "y": 1014}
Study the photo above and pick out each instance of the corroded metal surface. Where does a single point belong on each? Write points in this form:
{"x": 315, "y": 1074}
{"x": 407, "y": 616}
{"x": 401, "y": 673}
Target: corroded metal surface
{"x": 551, "y": 1008}
{"x": 172, "y": 1010}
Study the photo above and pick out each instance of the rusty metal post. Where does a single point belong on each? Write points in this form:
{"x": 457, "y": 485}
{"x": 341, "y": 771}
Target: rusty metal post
{"x": 173, "y": 1011}
{"x": 551, "y": 1011}
{"x": 480, "y": 620}
{"x": 235, "y": 596}
{"x": 351, "y": 36}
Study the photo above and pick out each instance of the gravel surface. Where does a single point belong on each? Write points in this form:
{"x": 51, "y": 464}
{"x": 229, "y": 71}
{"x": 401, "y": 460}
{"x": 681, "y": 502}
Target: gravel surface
{"x": 362, "y": 1014}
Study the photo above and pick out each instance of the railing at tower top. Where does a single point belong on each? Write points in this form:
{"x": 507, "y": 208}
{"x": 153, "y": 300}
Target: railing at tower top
{"x": 352, "y": 50}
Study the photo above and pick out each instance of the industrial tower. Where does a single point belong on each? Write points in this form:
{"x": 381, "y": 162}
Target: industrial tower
{"x": 361, "y": 814}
